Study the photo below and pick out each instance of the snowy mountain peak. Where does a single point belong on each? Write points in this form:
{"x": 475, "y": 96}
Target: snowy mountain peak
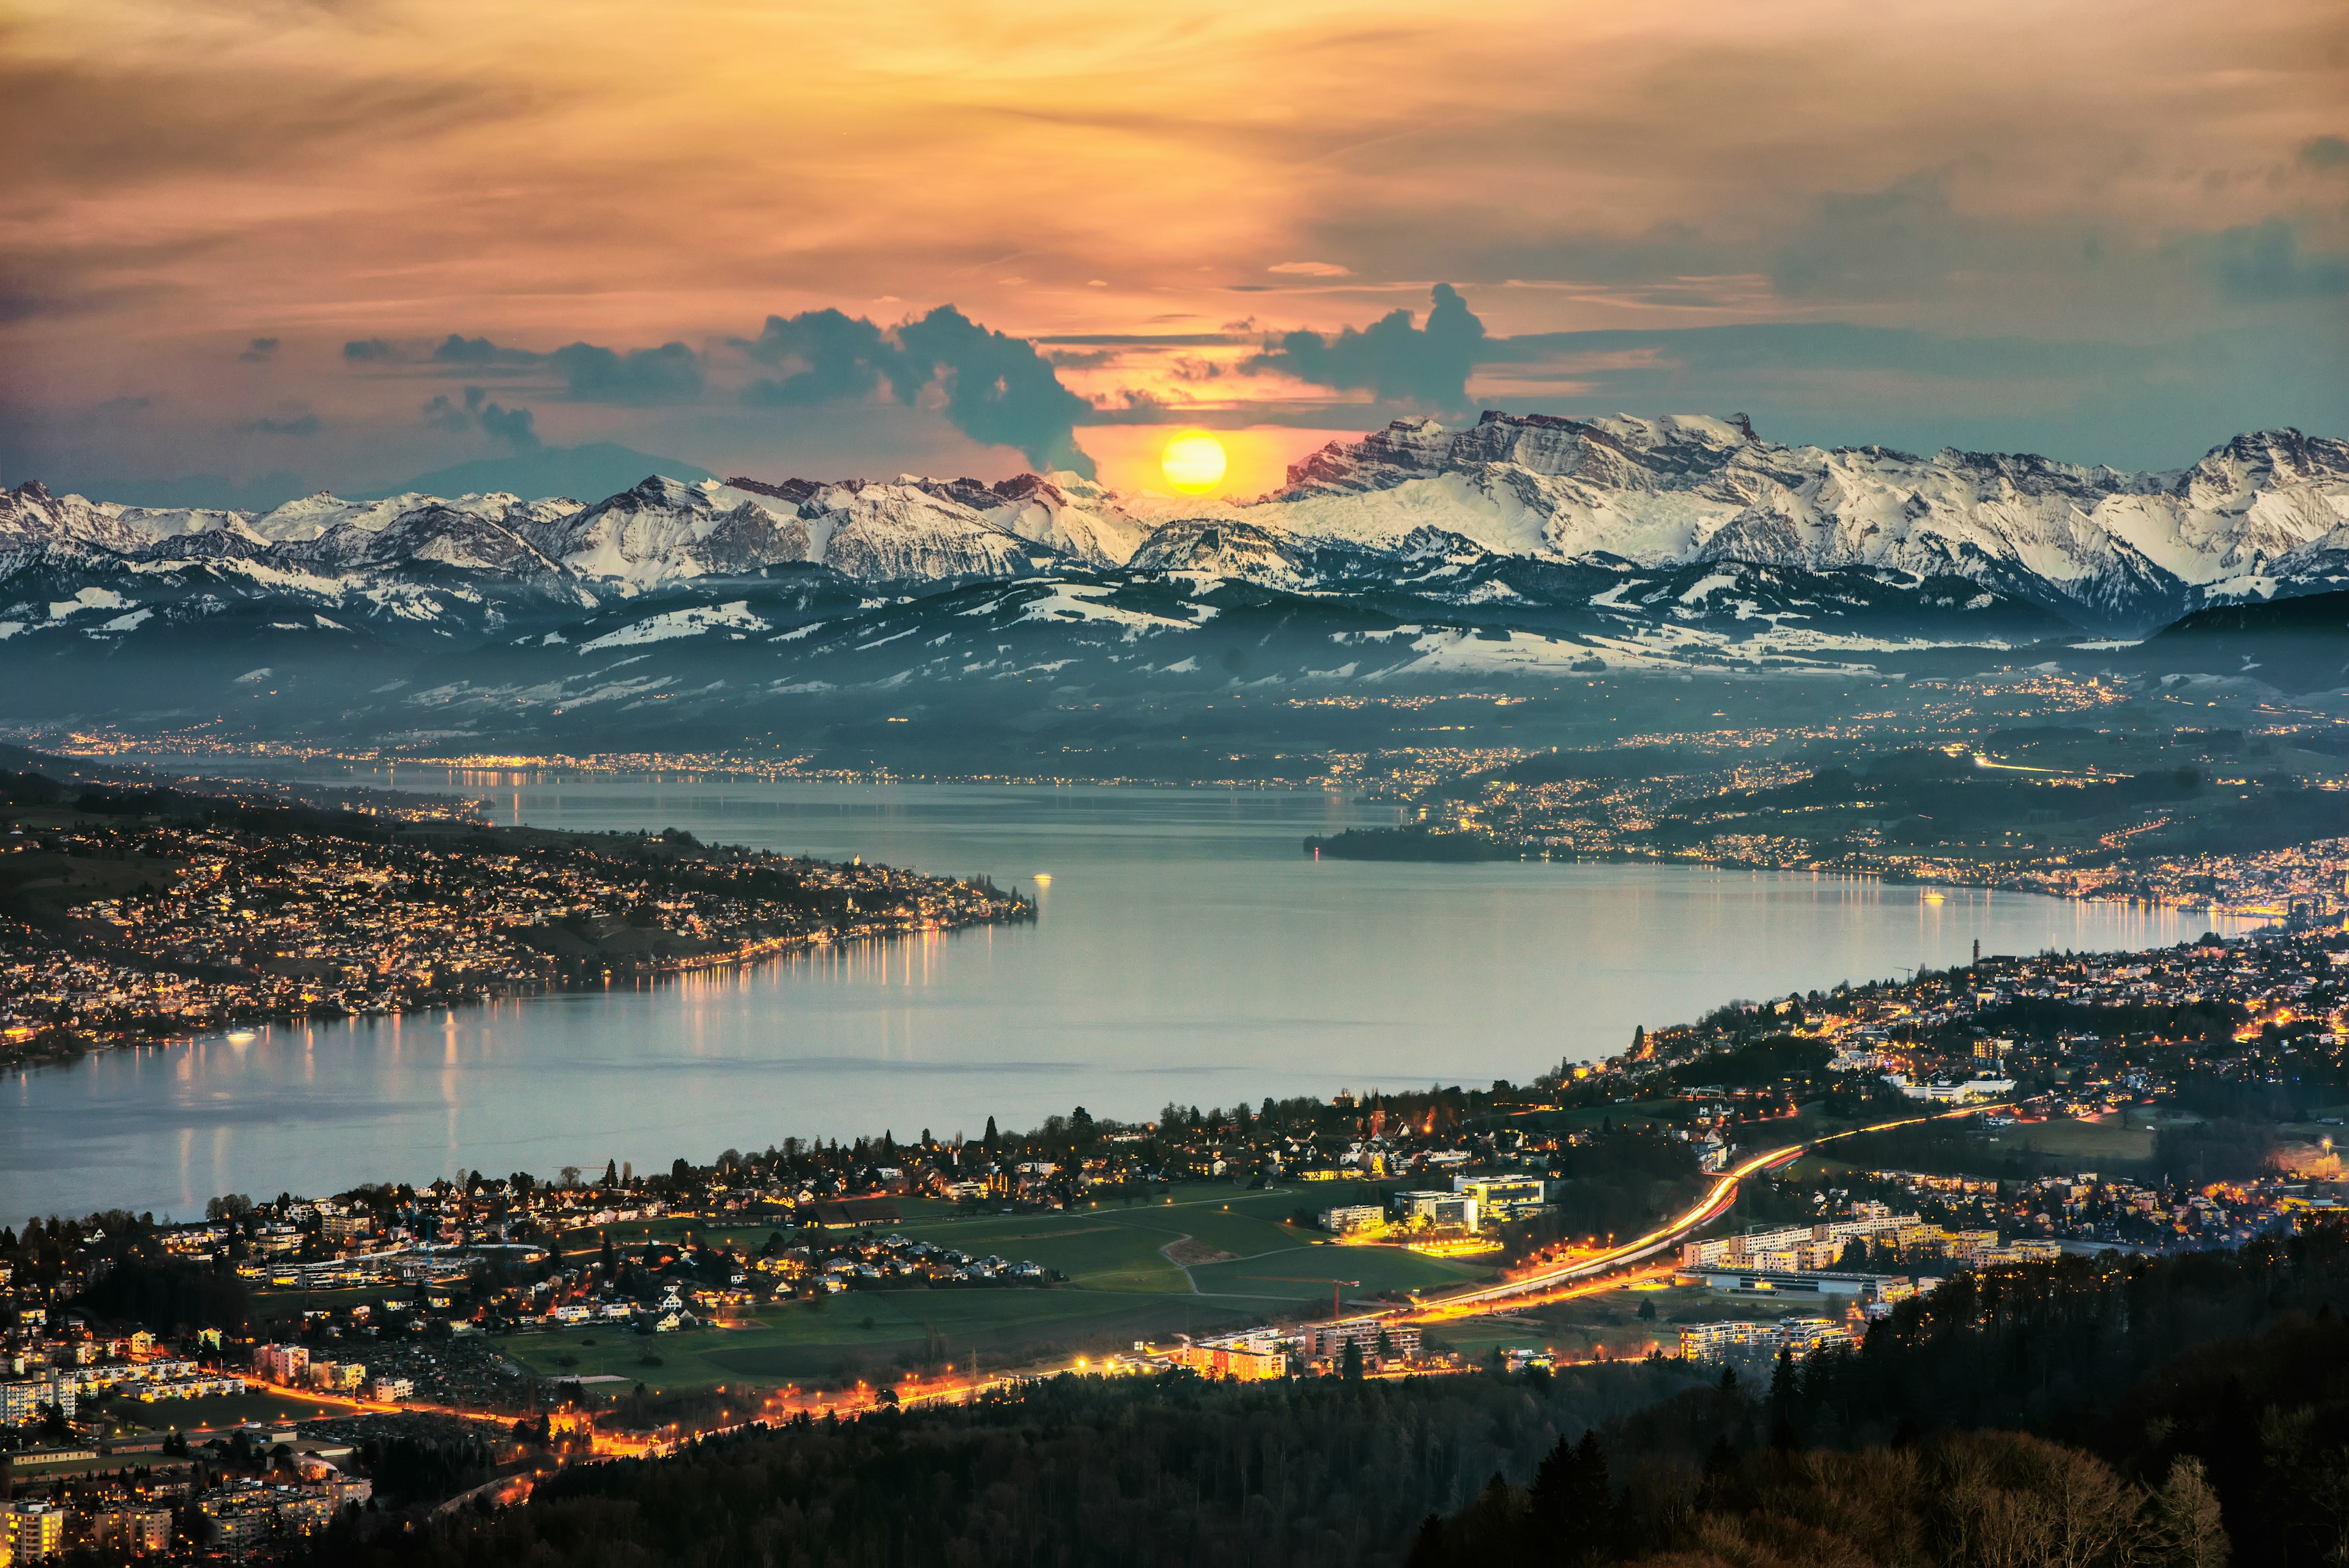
{"x": 2264, "y": 514}
{"x": 2107, "y": 548}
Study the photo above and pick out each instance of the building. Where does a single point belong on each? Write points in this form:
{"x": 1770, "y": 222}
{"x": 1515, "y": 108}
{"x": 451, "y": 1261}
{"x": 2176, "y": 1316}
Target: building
{"x": 22, "y": 1399}
{"x": 1450, "y": 1210}
{"x": 1246, "y": 1360}
{"x": 1790, "y": 1247}
{"x": 1328, "y": 1341}
{"x": 337, "y": 1375}
{"x": 134, "y": 1531}
{"x": 1736, "y": 1340}
{"x": 1954, "y": 1093}
{"x": 1811, "y": 1286}
{"x": 1502, "y": 1196}
{"x": 1353, "y": 1221}
{"x": 36, "y": 1531}
{"x": 285, "y": 1365}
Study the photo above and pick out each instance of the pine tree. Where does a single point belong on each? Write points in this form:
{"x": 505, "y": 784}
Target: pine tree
{"x": 1573, "y": 1501}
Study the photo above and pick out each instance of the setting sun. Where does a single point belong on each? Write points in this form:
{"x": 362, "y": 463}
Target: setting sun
{"x": 1194, "y": 463}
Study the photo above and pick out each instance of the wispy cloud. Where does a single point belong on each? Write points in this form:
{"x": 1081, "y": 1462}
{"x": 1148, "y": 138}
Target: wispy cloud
{"x": 181, "y": 177}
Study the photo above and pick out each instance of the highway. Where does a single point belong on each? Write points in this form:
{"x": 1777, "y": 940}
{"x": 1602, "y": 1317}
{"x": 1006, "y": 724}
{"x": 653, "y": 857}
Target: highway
{"x": 1717, "y": 1202}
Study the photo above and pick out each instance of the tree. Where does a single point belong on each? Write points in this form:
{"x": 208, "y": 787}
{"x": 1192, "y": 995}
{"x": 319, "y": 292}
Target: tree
{"x": 1573, "y": 1500}
{"x": 1350, "y": 1363}
{"x": 2186, "y": 1510}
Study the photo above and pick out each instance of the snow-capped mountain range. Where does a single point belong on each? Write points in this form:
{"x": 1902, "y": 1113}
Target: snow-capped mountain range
{"x": 2265, "y": 514}
{"x": 1521, "y": 543}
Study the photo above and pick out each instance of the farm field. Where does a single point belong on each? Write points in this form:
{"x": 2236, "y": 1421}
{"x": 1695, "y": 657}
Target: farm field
{"x": 1236, "y": 1259}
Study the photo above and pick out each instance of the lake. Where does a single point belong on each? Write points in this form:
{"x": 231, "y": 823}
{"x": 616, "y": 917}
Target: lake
{"x": 1185, "y": 951}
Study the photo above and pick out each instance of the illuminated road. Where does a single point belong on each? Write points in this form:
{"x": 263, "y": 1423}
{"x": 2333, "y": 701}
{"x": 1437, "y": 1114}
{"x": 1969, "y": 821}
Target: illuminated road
{"x": 1716, "y": 1202}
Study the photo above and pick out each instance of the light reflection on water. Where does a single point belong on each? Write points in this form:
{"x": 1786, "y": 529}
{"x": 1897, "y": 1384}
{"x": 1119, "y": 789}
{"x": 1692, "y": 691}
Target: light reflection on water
{"x": 1184, "y": 949}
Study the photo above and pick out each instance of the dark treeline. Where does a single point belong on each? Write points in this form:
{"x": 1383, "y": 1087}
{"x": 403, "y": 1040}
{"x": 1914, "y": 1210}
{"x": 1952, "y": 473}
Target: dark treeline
{"x": 1169, "y": 1472}
{"x": 1776, "y": 1060}
{"x": 2087, "y": 1411}
{"x": 172, "y": 1294}
{"x": 2094, "y": 1411}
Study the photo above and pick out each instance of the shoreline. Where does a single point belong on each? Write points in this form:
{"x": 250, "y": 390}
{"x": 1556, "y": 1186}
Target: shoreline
{"x": 15, "y": 1061}
{"x": 2251, "y": 917}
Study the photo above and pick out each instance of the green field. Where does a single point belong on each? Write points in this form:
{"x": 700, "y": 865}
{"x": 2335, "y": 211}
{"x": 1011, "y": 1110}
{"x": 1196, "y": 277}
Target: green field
{"x": 218, "y": 1413}
{"x": 1120, "y": 1287}
{"x": 2106, "y": 1140}
{"x": 2061, "y": 1144}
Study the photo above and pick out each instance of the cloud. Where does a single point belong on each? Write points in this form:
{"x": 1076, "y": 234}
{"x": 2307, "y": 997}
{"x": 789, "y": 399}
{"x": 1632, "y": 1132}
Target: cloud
{"x": 2264, "y": 262}
{"x": 110, "y": 120}
{"x": 443, "y": 414}
{"x": 1898, "y": 241}
{"x": 1312, "y": 269}
{"x": 996, "y": 387}
{"x": 458, "y": 349}
{"x": 295, "y": 425}
{"x": 992, "y": 386}
{"x": 830, "y": 357}
{"x": 1425, "y": 366}
{"x": 512, "y": 427}
{"x": 998, "y": 390}
{"x": 260, "y": 349}
{"x": 670, "y": 373}
{"x": 2324, "y": 152}
{"x": 515, "y": 428}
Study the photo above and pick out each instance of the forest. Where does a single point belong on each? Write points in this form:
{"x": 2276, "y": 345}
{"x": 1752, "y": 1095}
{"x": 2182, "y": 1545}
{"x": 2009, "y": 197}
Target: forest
{"x": 2187, "y": 1410}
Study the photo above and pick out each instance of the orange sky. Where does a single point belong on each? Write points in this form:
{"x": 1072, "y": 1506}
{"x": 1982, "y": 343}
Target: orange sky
{"x": 184, "y": 179}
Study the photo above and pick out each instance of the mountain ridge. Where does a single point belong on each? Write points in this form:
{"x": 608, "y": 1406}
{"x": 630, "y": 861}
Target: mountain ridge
{"x": 2263, "y": 514}
{"x": 1519, "y": 547}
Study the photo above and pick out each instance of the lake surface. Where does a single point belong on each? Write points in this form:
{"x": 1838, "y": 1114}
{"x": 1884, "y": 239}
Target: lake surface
{"x": 1185, "y": 950}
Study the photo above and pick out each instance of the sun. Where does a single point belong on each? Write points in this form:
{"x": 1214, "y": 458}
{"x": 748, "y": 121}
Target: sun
{"x": 1194, "y": 463}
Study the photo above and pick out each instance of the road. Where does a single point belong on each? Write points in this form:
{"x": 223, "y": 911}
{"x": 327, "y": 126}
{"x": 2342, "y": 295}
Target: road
{"x": 1717, "y": 1202}
{"x": 1598, "y": 1271}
